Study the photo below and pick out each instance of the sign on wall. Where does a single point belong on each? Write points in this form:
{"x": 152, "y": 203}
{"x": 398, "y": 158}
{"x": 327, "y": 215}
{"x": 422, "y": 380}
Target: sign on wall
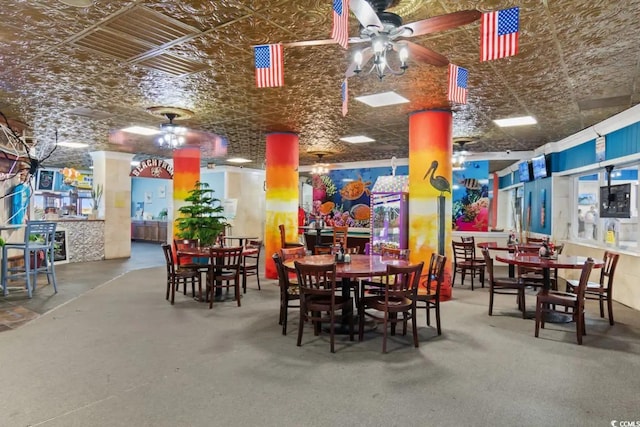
{"x": 153, "y": 168}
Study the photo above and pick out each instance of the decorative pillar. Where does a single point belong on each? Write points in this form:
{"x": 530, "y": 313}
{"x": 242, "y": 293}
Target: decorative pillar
{"x": 115, "y": 207}
{"x": 430, "y": 149}
{"x": 282, "y": 159}
{"x": 186, "y": 172}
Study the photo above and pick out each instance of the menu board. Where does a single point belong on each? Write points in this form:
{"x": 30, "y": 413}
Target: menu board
{"x": 615, "y": 201}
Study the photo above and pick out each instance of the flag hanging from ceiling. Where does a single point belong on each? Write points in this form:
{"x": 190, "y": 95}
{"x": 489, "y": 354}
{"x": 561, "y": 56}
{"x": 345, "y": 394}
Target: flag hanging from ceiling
{"x": 269, "y": 65}
{"x": 340, "y": 31}
{"x": 345, "y": 97}
{"x": 458, "y": 78}
{"x": 499, "y": 34}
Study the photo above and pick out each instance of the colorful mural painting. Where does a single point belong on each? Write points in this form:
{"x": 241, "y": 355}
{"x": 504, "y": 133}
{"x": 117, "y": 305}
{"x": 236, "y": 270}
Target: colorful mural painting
{"x": 471, "y": 197}
{"x": 342, "y": 196}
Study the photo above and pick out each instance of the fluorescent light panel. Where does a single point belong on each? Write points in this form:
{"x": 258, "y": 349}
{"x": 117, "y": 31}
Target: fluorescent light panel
{"x": 516, "y": 121}
{"x": 141, "y": 130}
{"x": 70, "y": 144}
{"x": 382, "y": 99}
{"x": 238, "y": 160}
{"x": 358, "y": 139}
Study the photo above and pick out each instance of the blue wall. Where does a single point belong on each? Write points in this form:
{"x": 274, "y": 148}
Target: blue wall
{"x": 537, "y": 197}
{"x": 142, "y": 186}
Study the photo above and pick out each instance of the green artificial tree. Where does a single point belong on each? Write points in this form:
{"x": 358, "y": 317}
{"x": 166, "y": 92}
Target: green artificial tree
{"x": 202, "y": 219}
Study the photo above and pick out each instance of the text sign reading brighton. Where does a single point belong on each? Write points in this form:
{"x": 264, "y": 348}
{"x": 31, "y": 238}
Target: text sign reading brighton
{"x": 153, "y": 168}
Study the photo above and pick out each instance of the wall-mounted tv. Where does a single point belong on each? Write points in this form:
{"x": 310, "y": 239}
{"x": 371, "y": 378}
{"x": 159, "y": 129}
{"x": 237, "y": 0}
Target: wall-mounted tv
{"x": 615, "y": 201}
{"x": 539, "y": 165}
{"x": 524, "y": 171}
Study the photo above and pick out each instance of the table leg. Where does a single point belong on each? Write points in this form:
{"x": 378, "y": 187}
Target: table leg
{"x": 512, "y": 270}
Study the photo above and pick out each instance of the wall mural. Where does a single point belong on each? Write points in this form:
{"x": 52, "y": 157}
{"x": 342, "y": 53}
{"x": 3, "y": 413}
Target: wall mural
{"x": 471, "y": 197}
{"x": 342, "y": 196}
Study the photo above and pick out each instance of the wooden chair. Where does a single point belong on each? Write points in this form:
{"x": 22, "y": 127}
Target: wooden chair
{"x": 547, "y": 301}
{"x": 464, "y": 261}
{"x": 398, "y": 297}
{"x": 284, "y": 243}
{"x": 288, "y": 292}
{"x": 250, "y": 263}
{"x": 375, "y": 286}
{"x": 504, "y": 285}
{"x": 429, "y": 293}
{"x": 319, "y": 302}
{"x": 529, "y": 275}
{"x": 340, "y": 236}
{"x": 224, "y": 269}
{"x": 603, "y": 290}
{"x": 176, "y": 276}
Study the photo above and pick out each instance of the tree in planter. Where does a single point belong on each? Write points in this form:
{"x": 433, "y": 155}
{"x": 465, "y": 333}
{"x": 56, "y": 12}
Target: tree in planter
{"x": 201, "y": 219}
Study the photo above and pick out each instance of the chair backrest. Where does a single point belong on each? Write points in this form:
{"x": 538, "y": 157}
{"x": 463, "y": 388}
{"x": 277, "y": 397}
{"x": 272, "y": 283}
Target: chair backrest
{"x": 283, "y": 277}
{"x": 437, "y": 264}
{"x": 608, "y": 270}
{"x": 470, "y": 240}
{"x": 228, "y": 259}
{"x": 254, "y": 245}
{"x": 322, "y": 250}
{"x": 340, "y": 236}
{"x": 283, "y": 235}
{"x": 402, "y": 282}
{"x": 44, "y": 230}
{"x": 317, "y": 280}
{"x": 536, "y": 239}
{"x": 179, "y": 244}
{"x": 489, "y": 261}
{"x": 584, "y": 279}
{"x": 168, "y": 257}
{"x": 292, "y": 253}
{"x": 462, "y": 251}
{"x": 394, "y": 253}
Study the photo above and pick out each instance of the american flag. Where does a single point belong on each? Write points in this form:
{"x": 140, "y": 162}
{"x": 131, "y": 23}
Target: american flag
{"x": 269, "y": 65}
{"x": 499, "y": 34}
{"x": 458, "y": 77}
{"x": 340, "y": 31}
{"x": 345, "y": 97}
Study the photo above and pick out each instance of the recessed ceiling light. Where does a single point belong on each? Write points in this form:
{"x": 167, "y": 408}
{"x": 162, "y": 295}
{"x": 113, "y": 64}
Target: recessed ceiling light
{"x": 238, "y": 160}
{"x": 141, "y": 130}
{"x": 516, "y": 121}
{"x": 70, "y": 144}
{"x": 135, "y": 162}
{"x": 359, "y": 139}
{"x": 382, "y": 99}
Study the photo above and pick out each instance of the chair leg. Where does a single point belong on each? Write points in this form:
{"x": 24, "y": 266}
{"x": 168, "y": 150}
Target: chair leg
{"x": 579, "y": 328}
{"x": 258, "y": 279}
{"x": 437, "y": 305}
{"x": 522, "y": 302}
{"x": 244, "y": 282}
{"x": 360, "y": 322}
{"x": 384, "y": 332}
{"x": 414, "y": 327}
{"x": 351, "y": 325}
{"x": 428, "y": 313}
{"x": 472, "y": 279}
{"x": 301, "y": 323}
{"x": 538, "y": 318}
{"x": 332, "y": 328}
{"x": 453, "y": 279}
{"x": 27, "y": 270}
{"x": 173, "y": 293}
{"x": 237, "y": 288}
{"x": 601, "y": 302}
{"x": 610, "y": 308}
{"x": 490, "y": 300}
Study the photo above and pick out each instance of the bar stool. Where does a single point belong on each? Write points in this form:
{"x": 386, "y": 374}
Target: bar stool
{"x": 39, "y": 238}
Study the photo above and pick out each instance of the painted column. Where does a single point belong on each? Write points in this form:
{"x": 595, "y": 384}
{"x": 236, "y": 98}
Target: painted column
{"x": 111, "y": 170}
{"x": 282, "y": 159}
{"x": 186, "y": 171}
{"x": 430, "y": 149}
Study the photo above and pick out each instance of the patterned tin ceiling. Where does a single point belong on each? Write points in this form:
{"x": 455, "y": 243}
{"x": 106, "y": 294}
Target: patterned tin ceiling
{"x": 90, "y": 71}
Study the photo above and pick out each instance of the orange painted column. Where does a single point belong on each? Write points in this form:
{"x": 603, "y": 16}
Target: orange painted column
{"x": 430, "y": 149}
{"x": 186, "y": 171}
{"x": 282, "y": 159}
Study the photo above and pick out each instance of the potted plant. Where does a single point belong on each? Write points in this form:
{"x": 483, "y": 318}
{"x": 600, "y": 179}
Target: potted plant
{"x": 202, "y": 218}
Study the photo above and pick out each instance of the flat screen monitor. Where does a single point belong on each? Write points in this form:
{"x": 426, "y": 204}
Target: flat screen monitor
{"x": 524, "y": 172}
{"x": 615, "y": 201}
{"x": 539, "y": 165}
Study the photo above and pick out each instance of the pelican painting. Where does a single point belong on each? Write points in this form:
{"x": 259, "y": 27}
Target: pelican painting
{"x": 439, "y": 182}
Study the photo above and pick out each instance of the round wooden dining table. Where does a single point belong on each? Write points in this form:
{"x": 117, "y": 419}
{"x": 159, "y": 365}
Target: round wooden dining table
{"x": 546, "y": 264}
{"x": 360, "y": 266}
{"x": 506, "y": 247}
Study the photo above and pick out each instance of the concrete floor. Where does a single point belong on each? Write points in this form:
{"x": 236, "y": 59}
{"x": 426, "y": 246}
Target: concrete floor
{"x": 108, "y": 350}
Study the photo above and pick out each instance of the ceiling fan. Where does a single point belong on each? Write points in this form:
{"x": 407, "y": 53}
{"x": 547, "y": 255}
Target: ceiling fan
{"x": 386, "y": 32}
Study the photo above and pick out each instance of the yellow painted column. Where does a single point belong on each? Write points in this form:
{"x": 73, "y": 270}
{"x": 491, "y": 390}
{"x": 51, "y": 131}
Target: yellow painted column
{"x": 186, "y": 172}
{"x": 430, "y": 147}
{"x": 282, "y": 159}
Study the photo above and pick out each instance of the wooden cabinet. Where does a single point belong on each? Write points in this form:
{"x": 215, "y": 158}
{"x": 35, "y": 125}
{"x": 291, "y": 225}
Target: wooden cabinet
{"x": 150, "y": 231}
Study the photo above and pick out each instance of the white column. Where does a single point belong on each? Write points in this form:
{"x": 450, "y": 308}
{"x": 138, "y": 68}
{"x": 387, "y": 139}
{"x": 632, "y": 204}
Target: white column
{"x": 111, "y": 170}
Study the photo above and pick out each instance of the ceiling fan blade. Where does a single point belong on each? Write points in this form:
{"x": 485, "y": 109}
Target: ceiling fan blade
{"x": 322, "y": 42}
{"x": 427, "y": 55}
{"x": 365, "y": 13}
{"x": 443, "y": 22}
{"x": 367, "y": 53}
